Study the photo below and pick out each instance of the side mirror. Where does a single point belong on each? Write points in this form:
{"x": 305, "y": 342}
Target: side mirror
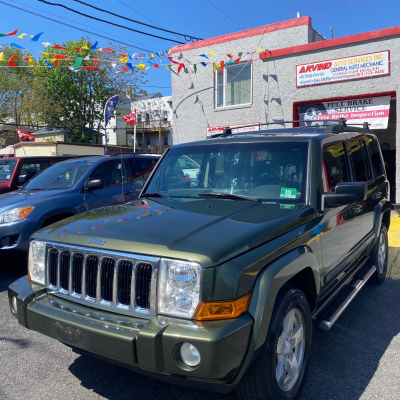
{"x": 346, "y": 193}
{"x": 94, "y": 184}
{"x": 138, "y": 185}
{"x": 23, "y": 179}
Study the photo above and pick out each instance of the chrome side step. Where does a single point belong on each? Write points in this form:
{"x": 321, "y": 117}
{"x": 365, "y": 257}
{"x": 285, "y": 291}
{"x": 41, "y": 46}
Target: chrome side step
{"x": 337, "y": 308}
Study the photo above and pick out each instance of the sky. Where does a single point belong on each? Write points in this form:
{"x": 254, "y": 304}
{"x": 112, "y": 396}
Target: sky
{"x": 200, "y": 19}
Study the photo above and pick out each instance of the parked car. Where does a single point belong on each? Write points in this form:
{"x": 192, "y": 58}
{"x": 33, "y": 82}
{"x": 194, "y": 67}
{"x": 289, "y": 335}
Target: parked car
{"x": 15, "y": 171}
{"x": 217, "y": 285}
{"x": 68, "y": 188}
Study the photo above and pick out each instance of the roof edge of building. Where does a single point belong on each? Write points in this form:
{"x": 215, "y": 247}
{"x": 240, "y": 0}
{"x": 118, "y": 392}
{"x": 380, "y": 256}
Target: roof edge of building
{"x": 277, "y": 26}
{"x": 325, "y": 44}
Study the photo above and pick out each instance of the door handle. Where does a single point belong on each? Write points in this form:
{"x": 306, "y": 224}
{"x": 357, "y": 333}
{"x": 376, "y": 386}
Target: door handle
{"x": 357, "y": 209}
{"x": 377, "y": 195}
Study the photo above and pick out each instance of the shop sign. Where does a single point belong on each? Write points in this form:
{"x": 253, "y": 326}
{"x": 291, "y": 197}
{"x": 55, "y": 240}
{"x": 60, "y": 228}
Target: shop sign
{"x": 343, "y": 69}
{"x": 238, "y": 128}
{"x": 374, "y": 110}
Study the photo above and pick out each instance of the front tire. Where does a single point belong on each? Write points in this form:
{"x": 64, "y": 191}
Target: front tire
{"x": 280, "y": 370}
{"x": 379, "y": 257}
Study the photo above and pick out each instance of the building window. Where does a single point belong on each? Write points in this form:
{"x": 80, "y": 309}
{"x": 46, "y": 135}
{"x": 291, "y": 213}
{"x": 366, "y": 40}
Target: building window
{"x": 165, "y": 140}
{"x": 139, "y": 118}
{"x": 147, "y": 117}
{"x": 165, "y": 115}
{"x": 233, "y": 86}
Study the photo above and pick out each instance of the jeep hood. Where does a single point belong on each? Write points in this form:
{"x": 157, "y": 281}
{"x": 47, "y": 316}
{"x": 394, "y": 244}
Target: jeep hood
{"x": 204, "y": 230}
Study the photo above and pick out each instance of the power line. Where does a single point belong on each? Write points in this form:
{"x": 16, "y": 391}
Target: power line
{"x": 66, "y": 19}
{"x": 136, "y": 22}
{"x": 108, "y": 22}
{"x": 136, "y": 11}
{"x": 226, "y": 15}
{"x": 71, "y": 26}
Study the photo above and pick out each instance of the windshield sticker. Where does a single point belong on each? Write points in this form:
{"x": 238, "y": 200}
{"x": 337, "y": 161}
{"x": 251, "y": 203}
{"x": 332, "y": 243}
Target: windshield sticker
{"x": 8, "y": 176}
{"x": 288, "y": 193}
{"x": 287, "y": 206}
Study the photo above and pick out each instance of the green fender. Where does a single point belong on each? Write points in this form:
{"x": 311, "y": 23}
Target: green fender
{"x": 270, "y": 280}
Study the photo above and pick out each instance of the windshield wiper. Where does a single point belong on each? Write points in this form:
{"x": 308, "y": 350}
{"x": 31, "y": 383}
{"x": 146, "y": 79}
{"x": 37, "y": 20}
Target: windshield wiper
{"x": 154, "y": 194}
{"x": 229, "y": 196}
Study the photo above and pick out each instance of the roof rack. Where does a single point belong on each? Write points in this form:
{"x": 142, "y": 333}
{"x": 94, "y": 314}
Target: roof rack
{"x": 331, "y": 126}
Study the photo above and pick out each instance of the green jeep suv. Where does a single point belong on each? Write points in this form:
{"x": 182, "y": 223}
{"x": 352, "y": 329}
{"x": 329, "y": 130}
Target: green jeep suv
{"x": 214, "y": 277}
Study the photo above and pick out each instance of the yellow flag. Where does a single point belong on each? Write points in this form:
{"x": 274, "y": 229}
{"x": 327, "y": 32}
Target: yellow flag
{"x": 85, "y": 47}
{"x": 123, "y": 60}
{"x": 260, "y": 50}
{"x": 21, "y": 36}
{"x": 212, "y": 53}
{"x": 141, "y": 66}
{"x": 30, "y": 61}
{"x": 2, "y": 58}
{"x": 45, "y": 55}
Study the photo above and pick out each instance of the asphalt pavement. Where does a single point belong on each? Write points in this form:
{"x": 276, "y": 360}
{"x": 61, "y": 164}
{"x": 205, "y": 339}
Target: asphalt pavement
{"x": 358, "y": 359}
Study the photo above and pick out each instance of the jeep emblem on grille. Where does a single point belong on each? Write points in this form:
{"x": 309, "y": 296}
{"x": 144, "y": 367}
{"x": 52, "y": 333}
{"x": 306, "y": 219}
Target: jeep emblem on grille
{"x": 96, "y": 241}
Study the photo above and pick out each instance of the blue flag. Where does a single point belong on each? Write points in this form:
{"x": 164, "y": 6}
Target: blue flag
{"x": 110, "y": 108}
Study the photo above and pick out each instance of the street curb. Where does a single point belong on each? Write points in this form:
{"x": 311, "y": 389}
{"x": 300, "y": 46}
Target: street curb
{"x": 394, "y": 248}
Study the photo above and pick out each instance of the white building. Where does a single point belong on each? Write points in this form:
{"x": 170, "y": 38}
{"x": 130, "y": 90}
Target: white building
{"x": 154, "y": 122}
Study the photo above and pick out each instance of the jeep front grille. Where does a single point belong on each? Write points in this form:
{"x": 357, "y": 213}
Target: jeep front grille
{"x": 107, "y": 280}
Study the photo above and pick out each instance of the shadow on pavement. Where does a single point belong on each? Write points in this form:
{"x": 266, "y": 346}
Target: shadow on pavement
{"x": 115, "y": 383}
{"x": 343, "y": 361}
{"x": 11, "y": 269}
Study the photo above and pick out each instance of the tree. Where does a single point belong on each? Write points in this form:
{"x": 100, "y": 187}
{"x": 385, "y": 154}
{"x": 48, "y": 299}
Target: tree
{"x": 76, "y": 99}
{"x": 16, "y": 89}
{"x": 52, "y": 93}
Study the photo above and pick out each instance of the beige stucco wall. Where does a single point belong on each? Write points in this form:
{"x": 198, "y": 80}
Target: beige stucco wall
{"x": 64, "y": 149}
{"x": 57, "y": 149}
{"x": 38, "y": 149}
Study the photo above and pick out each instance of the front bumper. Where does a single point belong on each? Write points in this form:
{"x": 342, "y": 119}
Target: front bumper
{"x": 148, "y": 346}
{"x": 15, "y": 236}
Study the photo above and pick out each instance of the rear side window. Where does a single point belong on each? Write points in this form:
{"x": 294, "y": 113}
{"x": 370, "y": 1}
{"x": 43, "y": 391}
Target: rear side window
{"x": 376, "y": 158}
{"x": 335, "y": 165}
{"x": 140, "y": 166}
{"x": 359, "y": 155}
{"x": 33, "y": 167}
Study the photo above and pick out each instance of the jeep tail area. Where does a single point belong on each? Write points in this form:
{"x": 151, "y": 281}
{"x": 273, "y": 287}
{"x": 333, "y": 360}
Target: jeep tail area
{"x": 214, "y": 277}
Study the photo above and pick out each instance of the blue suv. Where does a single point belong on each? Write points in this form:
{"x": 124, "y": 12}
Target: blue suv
{"x": 68, "y": 188}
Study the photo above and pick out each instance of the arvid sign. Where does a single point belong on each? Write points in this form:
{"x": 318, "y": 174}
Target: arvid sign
{"x": 343, "y": 69}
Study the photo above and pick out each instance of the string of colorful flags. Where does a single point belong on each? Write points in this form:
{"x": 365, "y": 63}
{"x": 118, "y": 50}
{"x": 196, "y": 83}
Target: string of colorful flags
{"x": 120, "y": 62}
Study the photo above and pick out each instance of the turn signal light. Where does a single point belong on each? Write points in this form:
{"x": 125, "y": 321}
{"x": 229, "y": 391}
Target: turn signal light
{"x": 214, "y": 310}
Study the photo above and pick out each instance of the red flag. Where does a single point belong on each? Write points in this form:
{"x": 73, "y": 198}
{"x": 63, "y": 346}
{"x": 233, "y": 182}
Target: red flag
{"x": 24, "y": 135}
{"x": 130, "y": 118}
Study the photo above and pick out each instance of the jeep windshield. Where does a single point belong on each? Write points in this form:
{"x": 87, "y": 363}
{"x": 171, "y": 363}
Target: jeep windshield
{"x": 266, "y": 171}
{"x": 59, "y": 176}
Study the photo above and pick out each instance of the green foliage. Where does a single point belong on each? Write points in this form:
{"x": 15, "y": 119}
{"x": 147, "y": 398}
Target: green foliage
{"x": 60, "y": 96}
{"x": 16, "y": 89}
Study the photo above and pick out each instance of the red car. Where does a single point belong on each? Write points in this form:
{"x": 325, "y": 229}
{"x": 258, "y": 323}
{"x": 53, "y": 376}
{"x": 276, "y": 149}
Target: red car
{"x": 15, "y": 171}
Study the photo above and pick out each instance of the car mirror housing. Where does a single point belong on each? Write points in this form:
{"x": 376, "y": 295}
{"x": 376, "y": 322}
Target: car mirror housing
{"x": 94, "y": 184}
{"x": 346, "y": 193}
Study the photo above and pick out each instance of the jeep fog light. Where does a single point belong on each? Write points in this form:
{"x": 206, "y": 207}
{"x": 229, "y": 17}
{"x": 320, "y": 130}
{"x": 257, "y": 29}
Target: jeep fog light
{"x": 36, "y": 262}
{"x": 179, "y": 288}
{"x": 190, "y": 355}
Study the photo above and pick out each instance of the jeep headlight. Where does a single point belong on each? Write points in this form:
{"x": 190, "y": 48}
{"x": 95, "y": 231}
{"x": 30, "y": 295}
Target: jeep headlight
{"x": 179, "y": 288}
{"x": 36, "y": 262}
{"x": 16, "y": 214}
